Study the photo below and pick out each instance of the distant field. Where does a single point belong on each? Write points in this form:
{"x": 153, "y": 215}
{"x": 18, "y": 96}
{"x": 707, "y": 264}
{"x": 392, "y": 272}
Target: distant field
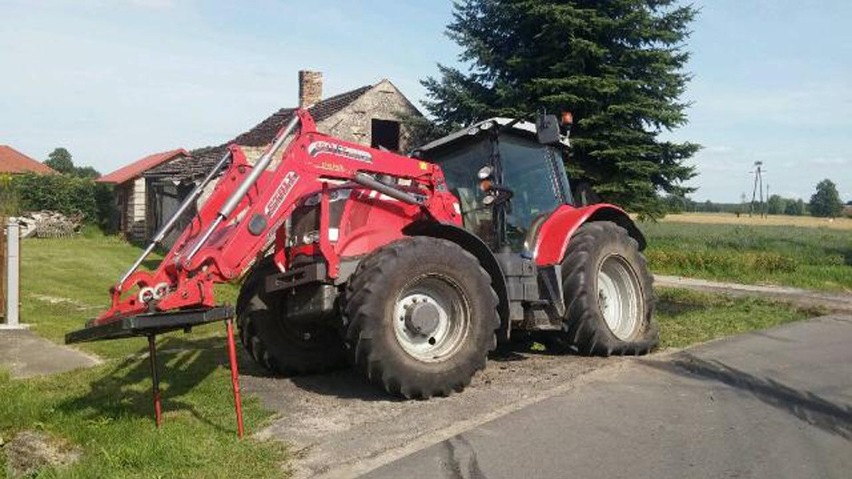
{"x": 771, "y": 220}
{"x": 806, "y": 257}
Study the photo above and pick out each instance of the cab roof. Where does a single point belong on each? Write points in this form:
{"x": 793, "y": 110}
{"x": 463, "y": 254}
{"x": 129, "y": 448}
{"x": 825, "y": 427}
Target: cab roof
{"x": 524, "y": 128}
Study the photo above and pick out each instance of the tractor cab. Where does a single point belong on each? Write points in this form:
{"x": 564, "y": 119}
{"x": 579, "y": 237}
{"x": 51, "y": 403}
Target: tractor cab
{"x": 508, "y": 175}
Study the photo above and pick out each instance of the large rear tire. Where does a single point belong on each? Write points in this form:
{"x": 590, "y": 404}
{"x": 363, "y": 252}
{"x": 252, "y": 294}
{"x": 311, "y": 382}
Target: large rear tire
{"x": 276, "y": 344}
{"x": 608, "y": 294}
{"x": 421, "y": 317}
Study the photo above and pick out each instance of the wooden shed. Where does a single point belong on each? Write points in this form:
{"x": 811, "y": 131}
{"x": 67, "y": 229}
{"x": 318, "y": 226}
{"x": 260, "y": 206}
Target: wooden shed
{"x": 132, "y": 193}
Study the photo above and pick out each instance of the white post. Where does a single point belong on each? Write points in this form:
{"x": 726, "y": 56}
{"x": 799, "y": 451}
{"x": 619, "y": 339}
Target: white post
{"x": 13, "y": 265}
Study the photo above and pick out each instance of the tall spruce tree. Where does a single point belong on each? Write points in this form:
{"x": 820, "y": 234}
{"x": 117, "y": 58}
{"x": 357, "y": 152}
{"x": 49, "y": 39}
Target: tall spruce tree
{"x": 618, "y": 65}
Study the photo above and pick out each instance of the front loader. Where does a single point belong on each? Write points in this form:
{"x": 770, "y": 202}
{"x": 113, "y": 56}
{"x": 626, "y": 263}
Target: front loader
{"x": 411, "y": 269}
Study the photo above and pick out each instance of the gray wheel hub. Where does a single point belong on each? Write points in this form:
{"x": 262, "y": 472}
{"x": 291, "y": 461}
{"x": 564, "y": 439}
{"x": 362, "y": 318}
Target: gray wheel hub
{"x": 430, "y": 318}
{"x": 422, "y": 318}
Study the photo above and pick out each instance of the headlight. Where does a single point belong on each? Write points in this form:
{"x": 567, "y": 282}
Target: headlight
{"x": 311, "y": 237}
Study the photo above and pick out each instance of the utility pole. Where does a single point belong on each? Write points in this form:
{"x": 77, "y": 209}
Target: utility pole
{"x": 758, "y": 188}
{"x": 766, "y": 210}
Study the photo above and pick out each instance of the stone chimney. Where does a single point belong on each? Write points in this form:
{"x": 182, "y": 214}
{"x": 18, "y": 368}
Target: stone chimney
{"x": 310, "y": 88}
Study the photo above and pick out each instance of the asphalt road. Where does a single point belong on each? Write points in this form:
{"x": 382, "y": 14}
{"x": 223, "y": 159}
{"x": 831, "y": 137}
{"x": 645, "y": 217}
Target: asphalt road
{"x": 770, "y": 404}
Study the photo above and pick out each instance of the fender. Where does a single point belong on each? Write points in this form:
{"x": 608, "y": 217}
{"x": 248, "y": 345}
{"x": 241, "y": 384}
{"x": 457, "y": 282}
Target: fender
{"x": 475, "y": 246}
{"x": 556, "y": 232}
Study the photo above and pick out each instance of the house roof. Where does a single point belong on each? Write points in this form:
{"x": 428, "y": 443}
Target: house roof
{"x": 140, "y": 166}
{"x": 202, "y": 159}
{"x": 13, "y": 161}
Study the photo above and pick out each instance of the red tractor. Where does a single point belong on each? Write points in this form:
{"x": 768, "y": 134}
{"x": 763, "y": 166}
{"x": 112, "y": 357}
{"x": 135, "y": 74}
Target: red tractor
{"x": 410, "y": 268}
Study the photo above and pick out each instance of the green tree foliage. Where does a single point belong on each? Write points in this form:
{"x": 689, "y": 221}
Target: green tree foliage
{"x": 677, "y": 204}
{"x": 826, "y": 201}
{"x": 71, "y": 192}
{"x": 776, "y": 205}
{"x": 795, "y": 208}
{"x": 66, "y": 194}
{"x": 617, "y": 65}
{"x": 63, "y": 193}
{"x": 60, "y": 160}
{"x": 86, "y": 172}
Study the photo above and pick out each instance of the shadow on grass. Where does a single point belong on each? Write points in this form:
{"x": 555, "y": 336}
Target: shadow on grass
{"x": 804, "y": 405}
{"x": 151, "y": 264}
{"x": 182, "y": 365}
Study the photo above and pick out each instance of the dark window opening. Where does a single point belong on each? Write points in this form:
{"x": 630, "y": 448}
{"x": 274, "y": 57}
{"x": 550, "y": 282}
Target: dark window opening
{"x": 385, "y": 134}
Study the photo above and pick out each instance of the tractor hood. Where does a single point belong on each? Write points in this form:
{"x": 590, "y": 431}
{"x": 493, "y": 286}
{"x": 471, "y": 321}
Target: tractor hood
{"x": 524, "y": 128}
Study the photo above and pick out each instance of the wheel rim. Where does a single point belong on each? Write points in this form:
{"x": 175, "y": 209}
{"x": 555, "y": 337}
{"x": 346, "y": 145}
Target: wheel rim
{"x": 431, "y": 318}
{"x": 619, "y": 299}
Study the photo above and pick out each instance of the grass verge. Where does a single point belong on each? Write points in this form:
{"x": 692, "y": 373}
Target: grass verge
{"x": 812, "y": 258}
{"x": 690, "y": 317}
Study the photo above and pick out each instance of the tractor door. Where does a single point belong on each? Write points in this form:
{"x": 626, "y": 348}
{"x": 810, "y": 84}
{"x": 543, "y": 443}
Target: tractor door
{"x": 536, "y": 176}
{"x": 460, "y": 165}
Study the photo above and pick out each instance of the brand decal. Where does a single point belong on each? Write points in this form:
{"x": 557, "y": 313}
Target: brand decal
{"x": 335, "y": 167}
{"x": 320, "y": 147}
{"x": 281, "y": 193}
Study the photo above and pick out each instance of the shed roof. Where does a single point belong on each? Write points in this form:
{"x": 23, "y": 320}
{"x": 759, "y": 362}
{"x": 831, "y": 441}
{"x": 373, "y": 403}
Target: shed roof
{"x": 13, "y": 161}
{"x": 138, "y": 167}
{"x": 202, "y": 159}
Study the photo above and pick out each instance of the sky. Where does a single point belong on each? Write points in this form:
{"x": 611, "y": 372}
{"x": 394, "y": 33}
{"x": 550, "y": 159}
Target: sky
{"x": 115, "y": 80}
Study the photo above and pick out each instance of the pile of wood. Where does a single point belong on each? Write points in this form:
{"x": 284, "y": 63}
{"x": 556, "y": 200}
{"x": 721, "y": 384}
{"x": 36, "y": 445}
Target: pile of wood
{"x": 49, "y": 224}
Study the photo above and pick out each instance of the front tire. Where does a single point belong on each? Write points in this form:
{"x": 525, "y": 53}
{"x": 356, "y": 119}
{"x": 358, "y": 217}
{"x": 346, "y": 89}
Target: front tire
{"x": 422, "y": 317}
{"x": 608, "y": 293}
{"x": 276, "y": 344}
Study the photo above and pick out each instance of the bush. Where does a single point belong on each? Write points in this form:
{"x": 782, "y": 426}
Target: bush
{"x": 66, "y": 194}
{"x": 8, "y": 197}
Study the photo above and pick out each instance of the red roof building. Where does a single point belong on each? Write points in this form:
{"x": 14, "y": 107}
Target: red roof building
{"x": 133, "y": 193}
{"x": 14, "y": 162}
{"x": 138, "y": 167}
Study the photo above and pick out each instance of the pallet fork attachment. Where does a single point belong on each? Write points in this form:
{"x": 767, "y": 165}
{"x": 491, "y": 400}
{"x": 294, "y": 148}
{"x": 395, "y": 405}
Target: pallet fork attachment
{"x": 150, "y": 325}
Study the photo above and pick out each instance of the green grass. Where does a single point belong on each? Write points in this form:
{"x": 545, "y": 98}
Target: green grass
{"x": 689, "y": 317}
{"x": 813, "y": 258}
{"x": 107, "y": 409}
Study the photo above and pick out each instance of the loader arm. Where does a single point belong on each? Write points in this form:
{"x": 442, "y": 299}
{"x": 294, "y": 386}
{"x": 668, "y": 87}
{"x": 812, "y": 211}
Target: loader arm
{"x": 249, "y": 206}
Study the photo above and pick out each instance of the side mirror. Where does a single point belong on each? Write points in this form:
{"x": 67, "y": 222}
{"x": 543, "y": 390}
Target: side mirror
{"x": 547, "y": 129}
